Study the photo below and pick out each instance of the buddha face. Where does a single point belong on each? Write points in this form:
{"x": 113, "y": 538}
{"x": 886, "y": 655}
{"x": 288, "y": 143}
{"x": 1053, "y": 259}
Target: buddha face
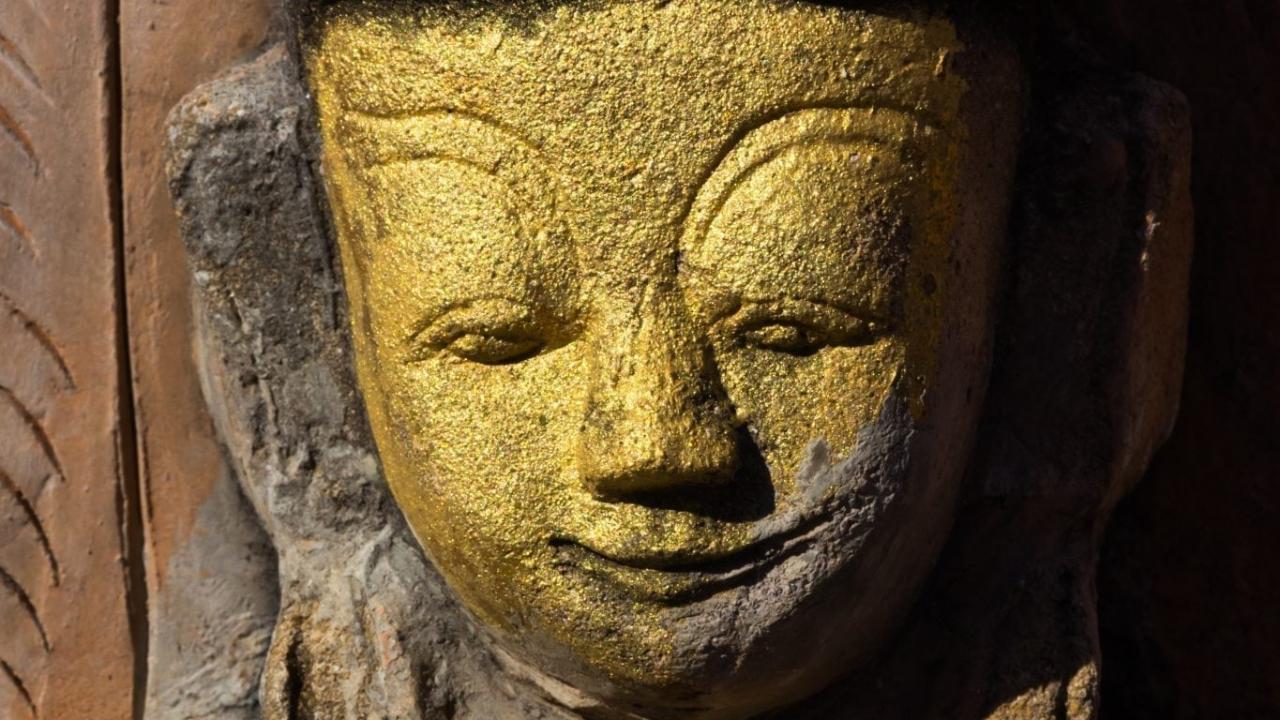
{"x": 671, "y": 320}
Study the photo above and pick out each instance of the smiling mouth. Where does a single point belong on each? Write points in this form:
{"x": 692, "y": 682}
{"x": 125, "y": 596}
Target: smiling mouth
{"x": 677, "y": 579}
{"x": 830, "y": 496}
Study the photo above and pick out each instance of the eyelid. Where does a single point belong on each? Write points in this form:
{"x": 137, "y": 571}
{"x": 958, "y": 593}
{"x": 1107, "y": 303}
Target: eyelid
{"x": 494, "y": 316}
{"x": 842, "y": 324}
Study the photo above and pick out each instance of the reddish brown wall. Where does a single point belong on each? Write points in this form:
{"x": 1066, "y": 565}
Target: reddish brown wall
{"x": 167, "y": 50}
{"x": 84, "y": 89}
{"x": 66, "y": 648}
{"x": 203, "y": 605}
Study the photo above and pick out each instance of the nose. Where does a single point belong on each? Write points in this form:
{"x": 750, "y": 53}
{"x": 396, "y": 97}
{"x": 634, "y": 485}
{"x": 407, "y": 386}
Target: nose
{"x": 656, "y": 418}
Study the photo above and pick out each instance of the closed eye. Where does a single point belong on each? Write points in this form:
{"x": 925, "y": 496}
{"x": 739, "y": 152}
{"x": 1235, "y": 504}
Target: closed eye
{"x": 490, "y": 347}
{"x": 491, "y": 331}
{"x": 786, "y": 337}
{"x": 799, "y": 327}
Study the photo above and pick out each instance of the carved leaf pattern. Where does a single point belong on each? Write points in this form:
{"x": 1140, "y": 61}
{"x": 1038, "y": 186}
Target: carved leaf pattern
{"x": 22, "y": 431}
{"x": 42, "y": 86}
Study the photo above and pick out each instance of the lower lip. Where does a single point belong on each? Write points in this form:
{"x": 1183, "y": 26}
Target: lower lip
{"x": 676, "y": 583}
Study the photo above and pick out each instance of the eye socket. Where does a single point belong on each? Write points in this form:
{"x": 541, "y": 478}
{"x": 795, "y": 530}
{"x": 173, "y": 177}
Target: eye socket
{"x": 800, "y": 327}
{"x": 487, "y": 332}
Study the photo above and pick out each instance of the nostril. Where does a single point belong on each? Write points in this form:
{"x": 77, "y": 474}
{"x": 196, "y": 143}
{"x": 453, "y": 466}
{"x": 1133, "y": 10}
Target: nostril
{"x": 705, "y": 464}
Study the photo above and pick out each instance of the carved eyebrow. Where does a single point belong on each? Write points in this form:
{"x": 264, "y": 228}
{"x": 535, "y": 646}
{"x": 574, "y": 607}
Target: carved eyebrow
{"x": 440, "y": 131}
{"x": 457, "y": 136}
{"x": 759, "y": 143}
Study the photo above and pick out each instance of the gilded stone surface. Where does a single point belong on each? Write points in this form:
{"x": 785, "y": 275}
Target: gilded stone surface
{"x": 647, "y": 306}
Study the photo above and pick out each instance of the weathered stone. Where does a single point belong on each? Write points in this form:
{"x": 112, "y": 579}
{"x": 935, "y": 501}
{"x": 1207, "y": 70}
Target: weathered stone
{"x": 1188, "y": 583}
{"x": 275, "y": 366}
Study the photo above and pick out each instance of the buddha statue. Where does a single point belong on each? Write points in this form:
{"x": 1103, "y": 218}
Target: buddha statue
{"x": 721, "y": 358}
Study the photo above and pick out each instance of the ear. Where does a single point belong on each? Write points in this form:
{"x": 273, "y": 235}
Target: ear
{"x": 1087, "y": 375}
{"x": 273, "y": 337}
{"x": 1089, "y": 357}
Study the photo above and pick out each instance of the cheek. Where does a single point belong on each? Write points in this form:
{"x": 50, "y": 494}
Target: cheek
{"x": 486, "y": 447}
{"x": 789, "y": 402}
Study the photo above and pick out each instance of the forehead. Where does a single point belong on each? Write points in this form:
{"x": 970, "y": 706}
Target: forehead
{"x": 662, "y": 83}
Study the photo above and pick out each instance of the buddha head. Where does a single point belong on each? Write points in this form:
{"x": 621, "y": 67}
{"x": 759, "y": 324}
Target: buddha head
{"x": 671, "y": 319}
